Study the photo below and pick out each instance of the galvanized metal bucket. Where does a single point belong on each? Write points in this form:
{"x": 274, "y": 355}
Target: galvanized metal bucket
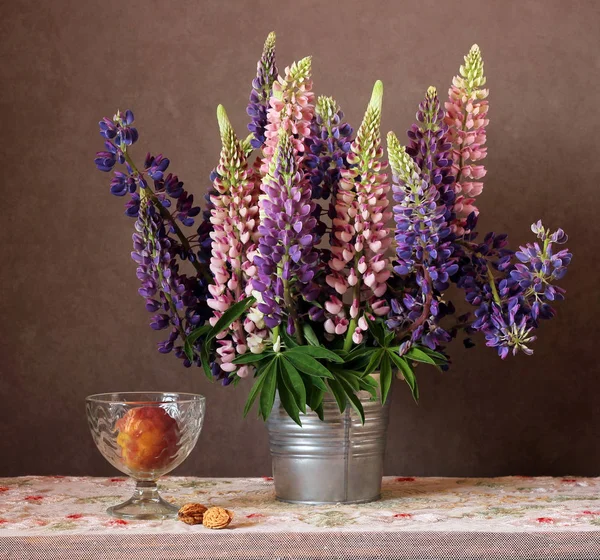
{"x": 337, "y": 460}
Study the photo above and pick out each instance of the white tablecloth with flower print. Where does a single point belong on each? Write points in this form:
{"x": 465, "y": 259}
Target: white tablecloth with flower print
{"x": 512, "y": 517}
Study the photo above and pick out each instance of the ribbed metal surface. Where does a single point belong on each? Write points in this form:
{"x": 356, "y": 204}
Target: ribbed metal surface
{"x": 337, "y": 460}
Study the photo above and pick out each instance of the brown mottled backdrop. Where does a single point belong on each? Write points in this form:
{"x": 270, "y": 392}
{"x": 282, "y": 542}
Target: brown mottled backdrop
{"x": 71, "y": 320}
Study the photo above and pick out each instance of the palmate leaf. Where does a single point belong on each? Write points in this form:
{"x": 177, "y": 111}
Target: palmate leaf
{"x": 287, "y": 400}
{"x": 254, "y": 391}
{"x": 293, "y": 382}
{"x": 338, "y": 393}
{"x": 191, "y": 339}
{"x": 307, "y": 364}
{"x": 418, "y": 355}
{"x": 250, "y": 358}
{"x": 316, "y": 352}
{"x": 409, "y": 376}
{"x": 310, "y": 336}
{"x": 385, "y": 376}
{"x": 267, "y": 393}
{"x": 351, "y": 396}
{"x": 231, "y": 315}
{"x": 374, "y": 362}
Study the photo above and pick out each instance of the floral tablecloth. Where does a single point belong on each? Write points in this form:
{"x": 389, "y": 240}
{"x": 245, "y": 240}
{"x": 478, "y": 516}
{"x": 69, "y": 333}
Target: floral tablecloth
{"x": 512, "y": 517}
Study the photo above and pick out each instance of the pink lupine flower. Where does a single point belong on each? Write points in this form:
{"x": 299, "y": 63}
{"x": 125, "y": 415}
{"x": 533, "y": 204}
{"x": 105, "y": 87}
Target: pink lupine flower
{"x": 234, "y": 216}
{"x": 291, "y": 109}
{"x": 360, "y": 235}
{"x": 466, "y": 116}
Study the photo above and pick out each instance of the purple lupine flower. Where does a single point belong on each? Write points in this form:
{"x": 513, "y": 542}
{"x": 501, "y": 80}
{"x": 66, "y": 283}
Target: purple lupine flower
{"x": 510, "y": 297}
{"x": 431, "y": 149}
{"x": 262, "y": 85}
{"x": 286, "y": 255}
{"x": 424, "y": 250}
{"x": 326, "y": 154}
{"x": 177, "y": 301}
{"x": 172, "y": 296}
{"x": 505, "y": 332}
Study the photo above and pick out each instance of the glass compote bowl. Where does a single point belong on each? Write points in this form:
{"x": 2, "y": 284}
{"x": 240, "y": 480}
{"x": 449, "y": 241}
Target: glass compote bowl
{"x": 145, "y": 435}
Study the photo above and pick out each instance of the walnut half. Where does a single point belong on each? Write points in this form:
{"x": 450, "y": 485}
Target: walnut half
{"x": 217, "y": 518}
{"x": 192, "y": 514}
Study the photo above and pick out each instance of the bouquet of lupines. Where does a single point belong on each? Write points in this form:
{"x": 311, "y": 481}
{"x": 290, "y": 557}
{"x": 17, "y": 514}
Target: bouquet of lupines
{"x": 298, "y": 277}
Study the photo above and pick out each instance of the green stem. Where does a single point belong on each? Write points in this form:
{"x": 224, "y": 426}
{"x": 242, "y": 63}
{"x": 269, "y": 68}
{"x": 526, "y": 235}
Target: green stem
{"x": 291, "y": 309}
{"x": 492, "y": 282}
{"x": 354, "y": 321}
{"x": 166, "y": 215}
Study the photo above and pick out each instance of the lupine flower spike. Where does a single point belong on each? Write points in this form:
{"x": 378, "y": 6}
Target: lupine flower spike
{"x": 291, "y": 108}
{"x": 328, "y": 147}
{"x": 287, "y": 257}
{"x": 262, "y": 87}
{"x": 234, "y": 218}
{"x": 360, "y": 236}
{"x": 423, "y": 249}
{"x": 466, "y": 116}
{"x": 430, "y": 148}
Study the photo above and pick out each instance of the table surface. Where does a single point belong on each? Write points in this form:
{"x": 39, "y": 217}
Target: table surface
{"x": 511, "y": 517}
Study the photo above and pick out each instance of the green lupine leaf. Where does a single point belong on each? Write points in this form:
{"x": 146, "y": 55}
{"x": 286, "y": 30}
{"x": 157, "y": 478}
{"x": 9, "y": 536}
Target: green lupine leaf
{"x": 316, "y": 398}
{"x": 316, "y": 382}
{"x": 318, "y": 410}
{"x": 374, "y": 362}
{"x": 349, "y": 379}
{"x": 338, "y": 393}
{"x": 307, "y": 364}
{"x": 287, "y": 399}
{"x": 435, "y": 354}
{"x": 419, "y": 356}
{"x": 310, "y": 335}
{"x": 267, "y": 394}
{"x": 369, "y": 384}
{"x": 389, "y": 337}
{"x": 254, "y": 393}
{"x": 293, "y": 381}
{"x": 231, "y": 315}
{"x": 407, "y": 372}
{"x": 377, "y": 331}
{"x": 354, "y": 400}
{"x": 359, "y": 352}
{"x": 191, "y": 339}
{"x": 250, "y": 358}
{"x": 386, "y": 376}
{"x": 204, "y": 360}
{"x": 317, "y": 352}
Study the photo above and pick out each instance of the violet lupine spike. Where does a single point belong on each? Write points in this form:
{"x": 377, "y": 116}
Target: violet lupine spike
{"x": 466, "y": 116}
{"x": 169, "y": 294}
{"x": 233, "y": 216}
{"x": 179, "y": 299}
{"x": 430, "y": 148}
{"x": 424, "y": 250}
{"x": 291, "y": 108}
{"x": 512, "y": 298}
{"x": 286, "y": 258}
{"x": 360, "y": 235}
{"x": 327, "y": 149}
{"x": 262, "y": 86}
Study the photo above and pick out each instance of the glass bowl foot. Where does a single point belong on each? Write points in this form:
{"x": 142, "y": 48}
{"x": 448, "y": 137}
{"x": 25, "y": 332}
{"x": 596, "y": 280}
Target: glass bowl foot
{"x": 146, "y": 503}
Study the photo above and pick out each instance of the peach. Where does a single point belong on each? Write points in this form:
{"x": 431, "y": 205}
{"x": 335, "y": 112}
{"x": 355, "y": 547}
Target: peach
{"x": 148, "y": 438}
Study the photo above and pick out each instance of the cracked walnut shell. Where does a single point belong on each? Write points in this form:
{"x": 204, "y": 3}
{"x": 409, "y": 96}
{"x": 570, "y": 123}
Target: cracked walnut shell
{"x": 192, "y": 514}
{"x": 217, "y": 518}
